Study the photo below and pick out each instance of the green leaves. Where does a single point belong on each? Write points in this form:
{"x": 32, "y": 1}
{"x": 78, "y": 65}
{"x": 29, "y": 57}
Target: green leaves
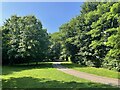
{"x": 94, "y": 33}
{"x": 25, "y": 38}
{"x": 93, "y": 36}
{"x": 115, "y": 8}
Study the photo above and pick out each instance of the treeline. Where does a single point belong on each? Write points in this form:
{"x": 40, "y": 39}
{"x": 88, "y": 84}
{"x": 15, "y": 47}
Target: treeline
{"x": 91, "y": 38}
{"x": 23, "y": 40}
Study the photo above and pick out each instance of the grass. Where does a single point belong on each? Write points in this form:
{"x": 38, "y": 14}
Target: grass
{"x": 92, "y": 70}
{"x": 42, "y": 76}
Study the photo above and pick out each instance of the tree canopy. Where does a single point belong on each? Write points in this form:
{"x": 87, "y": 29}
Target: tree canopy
{"x": 92, "y": 38}
{"x": 24, "y": 40}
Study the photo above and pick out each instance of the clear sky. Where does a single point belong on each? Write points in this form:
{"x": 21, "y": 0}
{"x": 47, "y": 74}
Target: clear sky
{"x": 51, "y": 14}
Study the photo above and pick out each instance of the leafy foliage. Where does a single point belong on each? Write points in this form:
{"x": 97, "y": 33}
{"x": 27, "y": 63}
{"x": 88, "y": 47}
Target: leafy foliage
{"x": 24, "y": 40}
{"x": 92, "y": 38}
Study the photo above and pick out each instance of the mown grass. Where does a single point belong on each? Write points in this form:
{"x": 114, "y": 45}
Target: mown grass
{"x": 42, "y": 76}
{"x": 92, "y": 70}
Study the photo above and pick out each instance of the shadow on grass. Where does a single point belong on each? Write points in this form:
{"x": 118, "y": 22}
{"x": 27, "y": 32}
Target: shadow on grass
{"x": 16, "y": 68}
{"x": 29, "y": 82}
{"x": 72, "y": 65}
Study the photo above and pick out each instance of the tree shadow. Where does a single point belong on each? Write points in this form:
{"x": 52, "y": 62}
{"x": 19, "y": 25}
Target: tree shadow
{"x": 72, "y": 65}
{"x": 16, "y": 68}
{"x": 29, "y": 82}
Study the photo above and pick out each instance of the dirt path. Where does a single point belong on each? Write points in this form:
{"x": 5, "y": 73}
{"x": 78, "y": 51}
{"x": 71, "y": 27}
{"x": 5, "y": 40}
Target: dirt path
{"x": 91, "y": 77}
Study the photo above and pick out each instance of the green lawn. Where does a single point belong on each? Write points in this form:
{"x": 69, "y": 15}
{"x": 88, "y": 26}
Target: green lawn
{"x": 93, "y": 70}
{"x": 42, "y": 76}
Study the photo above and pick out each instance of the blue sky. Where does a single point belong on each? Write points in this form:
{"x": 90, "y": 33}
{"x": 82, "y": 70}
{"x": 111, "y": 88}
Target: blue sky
{"x": 51, "y": 14}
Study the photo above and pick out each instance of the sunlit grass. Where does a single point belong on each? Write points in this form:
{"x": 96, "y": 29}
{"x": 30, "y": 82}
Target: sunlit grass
{"x": 42, "y": 76}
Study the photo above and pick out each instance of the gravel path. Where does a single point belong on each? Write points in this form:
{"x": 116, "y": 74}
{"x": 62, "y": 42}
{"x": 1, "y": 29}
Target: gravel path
{"x": 91, "y": 77}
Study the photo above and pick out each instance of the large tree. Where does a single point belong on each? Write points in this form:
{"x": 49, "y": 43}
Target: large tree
{"x": 88, "y": 38}
{"x": 24, "y": 40}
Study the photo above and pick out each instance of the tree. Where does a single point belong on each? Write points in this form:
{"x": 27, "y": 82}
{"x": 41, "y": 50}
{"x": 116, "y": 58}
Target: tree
{"x": 24, "y": 40}
{"x": 84, "y": 37}
{"x": 55, "y": 46}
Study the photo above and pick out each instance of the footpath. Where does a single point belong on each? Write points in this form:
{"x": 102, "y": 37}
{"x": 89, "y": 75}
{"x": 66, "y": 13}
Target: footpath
{"x": 91, "y": 77}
